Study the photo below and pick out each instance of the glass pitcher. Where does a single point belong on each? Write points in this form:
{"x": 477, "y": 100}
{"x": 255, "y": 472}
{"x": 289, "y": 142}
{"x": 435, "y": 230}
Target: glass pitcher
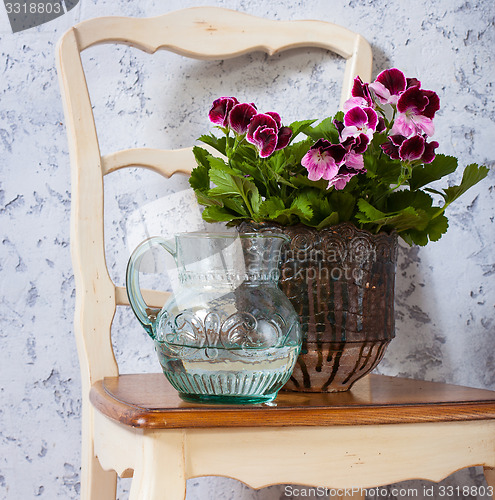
{"x": 228, "y": 334}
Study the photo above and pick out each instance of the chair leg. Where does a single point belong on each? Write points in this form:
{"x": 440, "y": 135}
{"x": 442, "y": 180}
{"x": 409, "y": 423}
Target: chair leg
{"x": 160, "y": 473}
{"x": 490, "y": 479}
{"x": 96, "y": 483}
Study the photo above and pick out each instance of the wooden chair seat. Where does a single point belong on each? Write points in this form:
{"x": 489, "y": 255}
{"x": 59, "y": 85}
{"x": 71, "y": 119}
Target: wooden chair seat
{"x": 148, "y": 401}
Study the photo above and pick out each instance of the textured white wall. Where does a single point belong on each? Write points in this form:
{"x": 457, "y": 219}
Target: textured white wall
{"x": 445, "y": 292}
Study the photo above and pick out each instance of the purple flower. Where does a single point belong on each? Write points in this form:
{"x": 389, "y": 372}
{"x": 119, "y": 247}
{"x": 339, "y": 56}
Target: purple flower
{"x": 357, "y": 144}
{"x": 264, "y": 132}
{"x": 323, "y": 160}
{"x": 389, "y": 85}
{"x": 416, "y": 109}
{"x": 283, "y": 137}
{"x": 359, "y": 121}
{"x": 414, "y": 148}
{"x": 219, "y": 112}
{"x": 240, "y": 116}
{"x": 429, "y": 153}
{"x": 361, "y": 96}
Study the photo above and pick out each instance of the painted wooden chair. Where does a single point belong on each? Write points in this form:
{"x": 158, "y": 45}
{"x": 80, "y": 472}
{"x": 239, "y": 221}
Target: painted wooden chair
{"x": 385, "y": 430}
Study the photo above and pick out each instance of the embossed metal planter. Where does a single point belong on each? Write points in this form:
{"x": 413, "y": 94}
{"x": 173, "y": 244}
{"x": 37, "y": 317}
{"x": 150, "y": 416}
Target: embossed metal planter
{"x": 341, "y": 282}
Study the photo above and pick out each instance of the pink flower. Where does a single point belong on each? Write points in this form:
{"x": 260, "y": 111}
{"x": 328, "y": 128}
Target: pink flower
{"x": 219, "y": 112}
{"x": 323, "y": 160}
{"x": 359, "y": 121}
{"x": 416, "y": 109}
{"x": 240, "y": 116}
{"x": 389, "y": 85}
{"x": 340, "y": 180}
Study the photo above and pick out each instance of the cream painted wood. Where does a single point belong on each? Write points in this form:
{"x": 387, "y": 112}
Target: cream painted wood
{"x": 158, "y": 160}
{"x": 360, "y": 456}
{"x": 490, "y": 478}
{"x": 214, "y": 33}
{"x": 154, "y": 298}
{"x": 340, "y": 457}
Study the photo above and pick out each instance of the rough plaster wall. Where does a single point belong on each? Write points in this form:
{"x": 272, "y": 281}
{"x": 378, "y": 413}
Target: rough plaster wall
{"x": 445, "y": 292}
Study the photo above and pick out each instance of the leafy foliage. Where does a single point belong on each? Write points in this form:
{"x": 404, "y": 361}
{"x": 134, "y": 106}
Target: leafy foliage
{"x": 390, "y": 196}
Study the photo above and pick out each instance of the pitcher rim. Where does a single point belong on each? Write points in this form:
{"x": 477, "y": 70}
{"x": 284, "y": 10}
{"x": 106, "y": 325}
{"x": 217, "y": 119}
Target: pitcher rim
{"x": 225, "y": 234}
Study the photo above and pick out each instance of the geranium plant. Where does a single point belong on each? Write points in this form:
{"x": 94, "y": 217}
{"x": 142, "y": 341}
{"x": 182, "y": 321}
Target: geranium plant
{"x": 371, "y": 164}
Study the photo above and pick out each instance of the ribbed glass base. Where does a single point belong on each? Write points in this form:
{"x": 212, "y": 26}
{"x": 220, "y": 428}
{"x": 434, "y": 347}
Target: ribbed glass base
{"x": 225, "y": 399}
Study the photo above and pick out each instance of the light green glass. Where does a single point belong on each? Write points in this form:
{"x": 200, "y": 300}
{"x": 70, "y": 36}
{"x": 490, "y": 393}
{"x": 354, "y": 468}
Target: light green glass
{"x": 228, "y": 334}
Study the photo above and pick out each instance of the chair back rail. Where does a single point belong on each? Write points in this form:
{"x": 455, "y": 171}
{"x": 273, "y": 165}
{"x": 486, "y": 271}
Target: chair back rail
{"x": 201, "y": 33}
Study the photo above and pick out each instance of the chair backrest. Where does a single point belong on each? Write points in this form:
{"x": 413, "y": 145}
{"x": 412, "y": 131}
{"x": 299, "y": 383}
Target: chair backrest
{"x": 200, "y": 33}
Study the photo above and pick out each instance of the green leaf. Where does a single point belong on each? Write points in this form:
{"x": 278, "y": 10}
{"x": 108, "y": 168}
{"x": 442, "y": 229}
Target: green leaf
{"x": 200, "y": 179}
{"x": 324, "y": 130}
{"x": 399, "y": 200}
{"x": 368, "y": 212}
{"x": 201, "y": 155}
{"x": 437, "y": 227}
{"x": 277, "y": 162}
{"x": 236, "y": 205}
{"x": 204, "y": 199}
{"x": 274, "y": 209}
{"x": 302, "y": 180}
{"x": 331, "y": 220}
{"x": 301, "y": 207}
{"x": 407, "y": 218}
{"x": 300, "y": 127}
{"x": 471, "y": 176}
{"x": 229, "y": 184}
{"x": 271, "y": 206}
{"x": 343, "y": 203}
{"x": 215, "y": 142}
{"x": 442, "y": 165}
{"x": 219, "y": 214}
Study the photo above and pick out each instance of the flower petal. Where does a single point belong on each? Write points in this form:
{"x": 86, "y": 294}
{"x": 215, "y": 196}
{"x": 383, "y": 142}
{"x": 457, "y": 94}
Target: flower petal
{"x": 412, "y": 148}
{"x": 260, "y": 120}
{"x": 433, "y": 104}
{"x": 240, "y": 116}
{"x": 413, "y": 99}
{"x": 355, "y": 117}
{"x": 360, "y": 89}
{"x": 276, "y": 117}
{"x": 393, "y": 79}
{"x": 323, "y": 160}
{"x": 284, "y": 135}
{"x": 265, "y": 140}
{"x": 340, "y": 181}
{"x": 429, "y": 154}
{"x": 354, "y": 161}
{"x": 372, "y": 118}
{"x": 403, "y": 126}
{"x": 360, "y": 102}
{"x": 391, "y": 147}
{"x": 220, "y": 109}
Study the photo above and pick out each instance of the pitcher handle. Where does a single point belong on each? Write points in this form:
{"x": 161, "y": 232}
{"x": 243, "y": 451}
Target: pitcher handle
{"x": 145, "y": 315}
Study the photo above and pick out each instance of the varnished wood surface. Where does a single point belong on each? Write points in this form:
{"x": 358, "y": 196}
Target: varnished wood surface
{"x": 148, "y": 401}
